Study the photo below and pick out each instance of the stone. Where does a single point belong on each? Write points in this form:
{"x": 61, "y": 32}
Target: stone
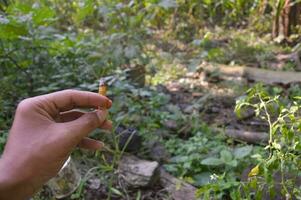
{"x": 128, "y": 138}
{"x": 94, "y": 183}
{"x": 138, "y": 173}
{"x": 178, "y": 189}
{"x": 158, "y": 152}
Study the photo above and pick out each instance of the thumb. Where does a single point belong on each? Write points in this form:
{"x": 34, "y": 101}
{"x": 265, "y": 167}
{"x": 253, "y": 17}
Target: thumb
{"x": 82, "y": 126}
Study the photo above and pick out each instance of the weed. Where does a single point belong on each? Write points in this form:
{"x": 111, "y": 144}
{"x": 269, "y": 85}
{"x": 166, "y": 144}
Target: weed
{"x": 284, "y": 141}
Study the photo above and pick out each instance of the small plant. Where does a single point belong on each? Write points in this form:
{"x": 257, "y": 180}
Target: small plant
{"x": 279, "y": 170}
{"x": 208, "y": 162}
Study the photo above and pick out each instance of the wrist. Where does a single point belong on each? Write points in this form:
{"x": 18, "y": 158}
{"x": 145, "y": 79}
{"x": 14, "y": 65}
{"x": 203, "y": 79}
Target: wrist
{"x": 13, "y": 182}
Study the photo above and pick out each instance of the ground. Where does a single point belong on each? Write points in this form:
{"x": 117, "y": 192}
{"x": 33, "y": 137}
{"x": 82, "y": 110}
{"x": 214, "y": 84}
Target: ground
{"x": 185, "y": 106}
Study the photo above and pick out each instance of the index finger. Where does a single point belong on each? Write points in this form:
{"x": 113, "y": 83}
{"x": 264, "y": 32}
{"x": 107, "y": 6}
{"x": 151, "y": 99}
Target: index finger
{"x": 69, "y": 99}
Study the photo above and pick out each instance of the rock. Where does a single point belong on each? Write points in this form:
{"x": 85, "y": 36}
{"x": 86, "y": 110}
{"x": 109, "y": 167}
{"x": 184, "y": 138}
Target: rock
{"x": 158, "y": 152}
{"x": 178, "y": 189}
{"x": 129, "y": 139}
{"x": 94, "y": 183}
{"x": 138, "y": 173}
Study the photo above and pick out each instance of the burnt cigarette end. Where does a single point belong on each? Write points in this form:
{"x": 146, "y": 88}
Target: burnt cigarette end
{"x": 102, "y": 82}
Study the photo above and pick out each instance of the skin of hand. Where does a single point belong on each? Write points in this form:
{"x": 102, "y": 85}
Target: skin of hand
{"x": 45, "y": 131}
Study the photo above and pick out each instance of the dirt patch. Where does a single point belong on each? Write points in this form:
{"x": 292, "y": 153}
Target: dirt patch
{"x": 214, "y": 102}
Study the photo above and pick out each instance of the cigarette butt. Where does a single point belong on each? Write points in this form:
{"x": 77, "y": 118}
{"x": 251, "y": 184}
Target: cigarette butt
{"x": 102, "y": 89}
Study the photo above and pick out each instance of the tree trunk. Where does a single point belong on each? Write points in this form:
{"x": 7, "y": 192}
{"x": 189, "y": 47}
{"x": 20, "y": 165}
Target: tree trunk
{"x": 286, "y": 19}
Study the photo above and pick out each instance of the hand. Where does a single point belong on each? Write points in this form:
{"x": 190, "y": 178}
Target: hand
{"x": 44, "y": 133}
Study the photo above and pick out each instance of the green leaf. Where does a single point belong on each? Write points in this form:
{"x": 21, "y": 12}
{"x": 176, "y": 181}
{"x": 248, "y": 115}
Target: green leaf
{"x": 84, "y": 11}
{"x": 22, "y": 7}
{"x": 43, "y": 15}
{"x": 115, "y": 191}
{"x": 12, "y": 31}
{"x": 226, "y": 156}
{"x": 242, "y": 152}
{"x": 232, "y": 163}
{"x": 212, "y": 161}
{"x": 202, "y": 179}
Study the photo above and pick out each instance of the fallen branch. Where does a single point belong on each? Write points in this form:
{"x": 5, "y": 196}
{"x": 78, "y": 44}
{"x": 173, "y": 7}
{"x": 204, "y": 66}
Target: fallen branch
{"x": 255, "y": 74}
{"x": 247, "y": 136}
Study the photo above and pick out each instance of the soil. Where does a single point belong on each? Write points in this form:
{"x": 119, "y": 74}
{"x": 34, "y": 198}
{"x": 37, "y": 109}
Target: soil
{"x": 217, "y": 105}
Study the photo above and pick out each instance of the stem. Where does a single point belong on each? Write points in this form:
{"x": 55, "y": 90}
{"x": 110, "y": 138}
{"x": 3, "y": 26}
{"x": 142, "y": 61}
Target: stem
{"x": 283, "y": 178}
{"x": 117, "y": 154}
{"x": 270, "y": 124}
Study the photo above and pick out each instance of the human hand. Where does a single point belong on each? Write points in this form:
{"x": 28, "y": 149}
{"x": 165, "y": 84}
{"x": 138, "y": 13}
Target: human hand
{"x": 44, "y": 133}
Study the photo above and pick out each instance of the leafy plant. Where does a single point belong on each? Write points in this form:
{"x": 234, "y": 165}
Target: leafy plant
{"x": 206, "y": 160}
{"x": 284, "y": 145}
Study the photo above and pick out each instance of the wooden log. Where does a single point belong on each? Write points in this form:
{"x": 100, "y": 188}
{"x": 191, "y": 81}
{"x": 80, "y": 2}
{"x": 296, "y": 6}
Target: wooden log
{"x": 255, "y": 74}
{"x": 247, "y": 136}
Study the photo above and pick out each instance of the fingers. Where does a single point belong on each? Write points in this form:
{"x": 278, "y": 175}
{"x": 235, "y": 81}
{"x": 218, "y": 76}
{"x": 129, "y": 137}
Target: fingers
{"x": 81, "y": 127}
{"x": 91, "y": 144}
{"x": 75, "y": 114}
{"x": 68, "y": 99}
{"x": 70, "y": 115}
{"x": 107, "y": 125}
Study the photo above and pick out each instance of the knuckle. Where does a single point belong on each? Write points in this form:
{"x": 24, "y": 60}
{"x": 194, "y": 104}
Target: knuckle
{"x": 25, "y": 105}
